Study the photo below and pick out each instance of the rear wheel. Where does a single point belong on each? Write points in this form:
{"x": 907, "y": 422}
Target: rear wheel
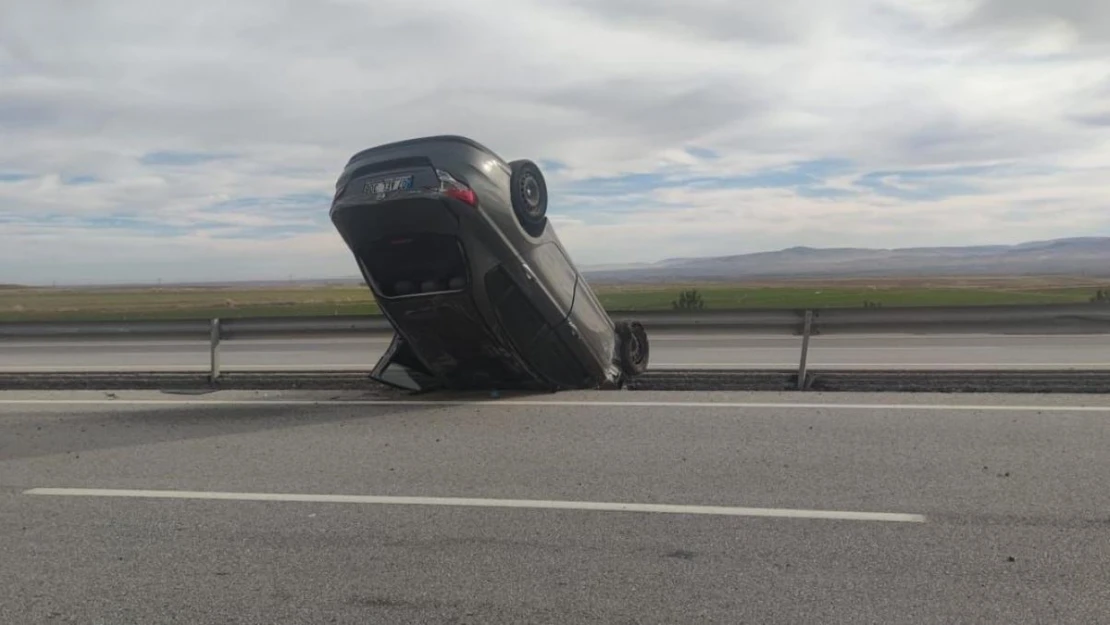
{"x": 528, "y": 191}
{"x": 634, "y": 348}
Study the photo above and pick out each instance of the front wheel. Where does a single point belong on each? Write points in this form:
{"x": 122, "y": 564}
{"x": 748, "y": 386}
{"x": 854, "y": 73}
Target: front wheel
{"x": 634, "y": 348}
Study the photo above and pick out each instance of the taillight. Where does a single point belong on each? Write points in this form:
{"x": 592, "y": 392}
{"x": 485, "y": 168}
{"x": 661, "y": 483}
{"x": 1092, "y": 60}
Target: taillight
{"x": 466, "y": 195}
{"x": 455, "y": 189}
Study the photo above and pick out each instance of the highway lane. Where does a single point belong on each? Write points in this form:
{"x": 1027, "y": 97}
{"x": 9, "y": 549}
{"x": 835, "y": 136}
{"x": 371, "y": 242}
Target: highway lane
{"x": 669, "y": 350}
{"x": 1014, "y": 524}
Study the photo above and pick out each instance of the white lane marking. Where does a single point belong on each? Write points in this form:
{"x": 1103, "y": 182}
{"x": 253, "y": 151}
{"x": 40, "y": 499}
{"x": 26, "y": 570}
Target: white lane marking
{"x": 108, "y": 368}
{"x": 292, "y": 368}
{"x": 200, "y": 344}
{"x": 655, "y": 367}
{"x": 488, "y": 503}
{"x": 894, "y": 366}
{"x": 1000, "y": 340}
{"x": 657, "y": 335}
{"x": 547, "y": 403}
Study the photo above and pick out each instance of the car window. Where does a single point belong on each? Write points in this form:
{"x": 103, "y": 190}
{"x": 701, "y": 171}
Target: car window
{"x": 399, "y": 375}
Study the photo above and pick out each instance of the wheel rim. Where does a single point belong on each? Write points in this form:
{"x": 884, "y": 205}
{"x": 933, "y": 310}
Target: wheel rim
{"x": 530, "y": 189}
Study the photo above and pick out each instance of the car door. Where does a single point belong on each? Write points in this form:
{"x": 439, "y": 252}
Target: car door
{"x": 555, "y": 273}
{"x": 577, "y": 302}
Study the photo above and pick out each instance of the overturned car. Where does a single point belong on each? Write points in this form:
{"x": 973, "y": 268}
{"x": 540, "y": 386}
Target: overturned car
{"x": 456, "y": 248}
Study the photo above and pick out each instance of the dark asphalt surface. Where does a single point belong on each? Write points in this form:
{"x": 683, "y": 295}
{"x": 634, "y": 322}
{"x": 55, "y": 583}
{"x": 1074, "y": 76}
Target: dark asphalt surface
{"x": 1016, "y": 502}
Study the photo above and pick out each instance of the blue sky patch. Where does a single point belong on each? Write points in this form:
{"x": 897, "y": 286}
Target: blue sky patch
{"x": 808, "y": 179}
{"x": 703, "y": 153}
{"x": 79, "y": 180}
{"x": 133, "y": 223}
{"x": 607, "y": 208}
{"x": 301, "y": 199}
{"x": 824, "y": 167}
{"x": 927, "y": 184}
{"x": 810, "y": 175}
{"x": 176, "y": 158}
{"x": 552, "y": 165}
{"x": 306, "y": 205}
{"x": 290, "y": 215}
{"x": 765, "y": 179}
{"x": 11, "y": 176}
{"x": 255, "y": 233}
{"x": 620, "y": 185}
{"x": 114, "y": 221}
{"x": 823, "y": 192}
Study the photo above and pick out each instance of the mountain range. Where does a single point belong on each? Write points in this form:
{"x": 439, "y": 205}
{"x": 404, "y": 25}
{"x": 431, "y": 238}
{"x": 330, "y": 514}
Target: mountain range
{"x": 1087, "y": 257}
{"x": 1079, "y": 256}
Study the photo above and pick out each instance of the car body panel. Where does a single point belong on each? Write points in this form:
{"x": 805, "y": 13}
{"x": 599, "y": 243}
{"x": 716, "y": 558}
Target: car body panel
{"x": 476, "y": 301}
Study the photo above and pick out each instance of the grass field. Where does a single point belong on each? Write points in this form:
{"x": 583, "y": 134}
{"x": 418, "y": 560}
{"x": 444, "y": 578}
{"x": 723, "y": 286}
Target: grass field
{"x": 77, "y": 304}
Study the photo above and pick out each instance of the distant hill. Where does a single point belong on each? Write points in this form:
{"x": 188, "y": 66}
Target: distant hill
{"x": 224, "y": 284}
{"x": 1083, "y": 256}
{"x": 1087, "y": 257}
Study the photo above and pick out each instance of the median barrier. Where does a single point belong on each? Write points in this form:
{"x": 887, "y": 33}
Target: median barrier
{"x": 1092, "y": 318}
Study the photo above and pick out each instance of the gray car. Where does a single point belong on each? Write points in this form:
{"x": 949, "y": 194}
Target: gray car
{"x": 455, "y": 245}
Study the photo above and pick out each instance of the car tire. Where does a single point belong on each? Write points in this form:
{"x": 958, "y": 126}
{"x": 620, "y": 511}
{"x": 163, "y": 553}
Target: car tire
{"x": 634, "y": 347}
{"x": 528, "y": 192}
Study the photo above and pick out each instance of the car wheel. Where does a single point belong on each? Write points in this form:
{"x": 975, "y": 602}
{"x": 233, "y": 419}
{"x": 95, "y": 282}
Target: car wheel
{"x": 634, "y": 348}
{"x": 529, "y": 195}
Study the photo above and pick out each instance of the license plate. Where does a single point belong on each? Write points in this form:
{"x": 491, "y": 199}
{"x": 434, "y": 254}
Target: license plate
{"x": 383, "y": 187}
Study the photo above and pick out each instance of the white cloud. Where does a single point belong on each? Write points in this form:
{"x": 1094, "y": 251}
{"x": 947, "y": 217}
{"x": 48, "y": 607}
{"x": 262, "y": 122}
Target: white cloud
{"x": 287, "y": 91}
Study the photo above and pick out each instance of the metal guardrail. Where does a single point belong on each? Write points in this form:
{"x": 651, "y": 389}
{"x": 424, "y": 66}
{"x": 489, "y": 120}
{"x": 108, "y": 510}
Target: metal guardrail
{"x": 1090, "y": 318}
{"x": 196, "y": 328}
{"x": 1070, "y": 318}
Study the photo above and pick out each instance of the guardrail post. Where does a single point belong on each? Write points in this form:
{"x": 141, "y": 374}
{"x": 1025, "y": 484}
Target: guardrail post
{"x": 805, "y": 350}
{"x": 214, "y": 350}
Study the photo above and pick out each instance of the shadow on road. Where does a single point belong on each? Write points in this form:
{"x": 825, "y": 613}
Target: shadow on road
{"x": 27, "y": 432}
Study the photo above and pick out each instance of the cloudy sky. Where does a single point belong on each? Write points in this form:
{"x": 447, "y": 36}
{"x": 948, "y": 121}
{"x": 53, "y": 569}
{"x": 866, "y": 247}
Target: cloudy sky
{"x": 144, "y": 140}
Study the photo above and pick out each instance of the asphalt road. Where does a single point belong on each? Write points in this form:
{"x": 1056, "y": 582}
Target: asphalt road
{"x": 668, "y": 350}
{"x": 1002, "y": 509}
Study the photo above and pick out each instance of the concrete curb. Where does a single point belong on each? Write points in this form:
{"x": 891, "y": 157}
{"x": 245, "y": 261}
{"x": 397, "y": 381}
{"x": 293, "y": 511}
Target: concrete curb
{"x": 1044, "y": 381}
